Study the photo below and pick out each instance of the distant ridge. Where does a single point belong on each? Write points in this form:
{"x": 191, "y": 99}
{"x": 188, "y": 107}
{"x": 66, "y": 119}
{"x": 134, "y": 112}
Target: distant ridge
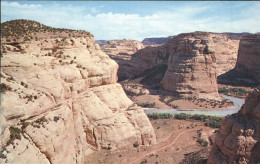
{"x": 156, "y": 41}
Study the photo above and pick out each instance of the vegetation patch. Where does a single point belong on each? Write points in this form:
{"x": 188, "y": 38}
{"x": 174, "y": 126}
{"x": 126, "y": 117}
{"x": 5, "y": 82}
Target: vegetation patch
{"x": 233, "y": 91}
{"x": 147, "y": 105}
{"x": 160, "y": 115}
{"x": 203, "y": 142}
{"x": 168, "y": 100}
{"x": 211, "y": 121}
{"x": 4, "y": 88}
{"x": 15, "y": 133}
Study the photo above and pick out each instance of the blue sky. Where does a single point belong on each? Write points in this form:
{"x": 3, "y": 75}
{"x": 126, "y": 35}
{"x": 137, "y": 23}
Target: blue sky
{"x": 138, "y": 19}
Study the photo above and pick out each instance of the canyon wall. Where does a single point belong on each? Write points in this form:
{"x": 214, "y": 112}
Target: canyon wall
{"x": 247, "y": 69}
{"x": 192, "y": 67}
{"x": 249, "y": 56}
{"x": 61, "y": 101}
{"x": 238, "y": 139}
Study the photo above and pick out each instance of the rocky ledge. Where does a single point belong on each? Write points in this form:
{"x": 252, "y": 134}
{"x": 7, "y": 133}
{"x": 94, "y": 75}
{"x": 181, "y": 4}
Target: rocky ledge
{"x": 238, "y": 139}
{"x": 61, "y": 101}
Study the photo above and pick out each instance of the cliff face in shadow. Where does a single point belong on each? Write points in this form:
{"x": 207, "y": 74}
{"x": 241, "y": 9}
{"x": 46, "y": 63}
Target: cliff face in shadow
{"x": 247, "y": 69}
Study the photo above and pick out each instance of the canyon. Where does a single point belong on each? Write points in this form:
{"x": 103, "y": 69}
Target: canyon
{"x": 68, "y": 99}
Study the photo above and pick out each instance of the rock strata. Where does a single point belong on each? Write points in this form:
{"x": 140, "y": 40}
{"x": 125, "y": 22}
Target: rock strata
{"x": 247, "y": 68}
{"x": 61, "y": 101}
{"x": 238, "y": 139}
{"x": 192, "y": 67}
{"x": 121, "y": 47}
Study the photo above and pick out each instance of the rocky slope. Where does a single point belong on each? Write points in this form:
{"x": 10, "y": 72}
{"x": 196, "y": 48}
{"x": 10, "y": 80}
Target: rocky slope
{"x": 247, "y": 69}
{"x": 192, "y": 66}
{"x": 238, "y": 139}
{"x": 61, "y": 100}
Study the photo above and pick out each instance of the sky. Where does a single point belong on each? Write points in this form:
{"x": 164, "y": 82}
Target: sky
{"x": 108, "y": 20}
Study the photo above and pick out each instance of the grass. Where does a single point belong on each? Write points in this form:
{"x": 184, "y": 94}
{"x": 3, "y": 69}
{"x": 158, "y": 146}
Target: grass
{"x": 210, "y": 121}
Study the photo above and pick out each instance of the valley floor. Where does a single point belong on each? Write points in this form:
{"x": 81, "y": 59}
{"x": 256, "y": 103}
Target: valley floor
{"x": 175, "y": 140}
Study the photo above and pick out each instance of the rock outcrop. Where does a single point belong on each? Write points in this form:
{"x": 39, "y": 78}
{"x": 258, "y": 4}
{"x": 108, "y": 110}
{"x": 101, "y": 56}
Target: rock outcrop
{"x": 225, "y": 46}
{"x": 61, "y": 100}
{"x": 121, "y": 47}
{"x": 192, "y": 67}
{"x": 247, "y": 69}
{"x": 226, "y": 49}
{"x": 238, "y": 139}
{"x": 156, "y": 41}
{"x": 249, "y": 56}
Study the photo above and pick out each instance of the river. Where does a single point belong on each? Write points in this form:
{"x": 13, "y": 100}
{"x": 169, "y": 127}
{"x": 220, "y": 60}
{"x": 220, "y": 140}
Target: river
{"x": 238, "y": 102}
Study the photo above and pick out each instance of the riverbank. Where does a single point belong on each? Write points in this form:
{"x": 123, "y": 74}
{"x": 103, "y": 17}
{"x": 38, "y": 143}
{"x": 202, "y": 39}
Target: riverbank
{"x": 238, "y": 102}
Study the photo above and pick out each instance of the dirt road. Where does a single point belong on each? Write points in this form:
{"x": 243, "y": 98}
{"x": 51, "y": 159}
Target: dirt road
{"x": 162, "y": 147}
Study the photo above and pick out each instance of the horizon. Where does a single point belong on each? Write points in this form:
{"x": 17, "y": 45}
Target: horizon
{"x": 137, "y": 20}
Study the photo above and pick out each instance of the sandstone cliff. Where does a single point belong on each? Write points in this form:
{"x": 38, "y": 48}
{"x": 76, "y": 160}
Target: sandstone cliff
{"x": 121, "y": 47}
{"x": 249, "y": 56}
{"x": 192, "y": 67}
{"x": 247, "y": 69}
{"x": 238, "y": 139}
{"x": 156, "y": 41}
{"x": 226, "y": 49}
{"x": 61, "y": 100}
{"x": 225, "y": 46}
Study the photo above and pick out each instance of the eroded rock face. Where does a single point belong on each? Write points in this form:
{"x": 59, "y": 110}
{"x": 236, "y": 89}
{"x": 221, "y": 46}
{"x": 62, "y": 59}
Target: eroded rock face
{"x": 226, "y": 50}
{"x": 62, "y": 101}
{"x": 238, "y": 140}
{"x": 121, "y": 47}
{"x": 247, "y": 69}
{"x": 192, "y": 67}
{"x": 249, "y": 56}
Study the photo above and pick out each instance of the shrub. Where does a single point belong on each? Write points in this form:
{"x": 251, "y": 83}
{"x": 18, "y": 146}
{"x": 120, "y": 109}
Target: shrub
{"x": 136, "y": 144}
{"x": 15, "y": 133}
{"x": 182, "y": 116}
{"x": 203, "y": 142}
{"x": 235, "y": 91}
{"x": 160, "y": 115}
{"x": 147, "y": 105}
{"x": 4, "y": 88}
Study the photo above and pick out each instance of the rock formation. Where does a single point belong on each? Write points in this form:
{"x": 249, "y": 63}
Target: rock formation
{"x": 101, "y": 42}
{"x": 247, "y": 69}
{"x": 156, "y": 41}
{"x": 192, "y": 67}
{"x": 61, "y": 99}
{"x": 226, "y": 49}
{"x": 249, "y": 56}
{"x": 225, "y": 46}
{"x": 238, "y": 139}
{"x": 121, "y": 47}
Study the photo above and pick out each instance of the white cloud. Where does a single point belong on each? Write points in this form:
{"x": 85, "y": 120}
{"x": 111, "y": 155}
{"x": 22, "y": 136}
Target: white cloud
{"x": 17, "y": 5}
{"x": 110, "y": 25}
